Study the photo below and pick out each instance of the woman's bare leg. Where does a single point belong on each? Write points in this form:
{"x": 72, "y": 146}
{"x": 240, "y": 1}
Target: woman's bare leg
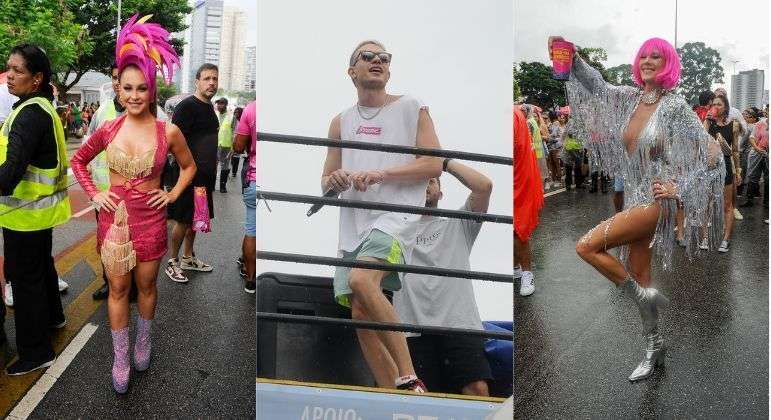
{"x": 728, "y": 211}
{"x": 118, "y": 300}
{"x": 630, "y": 226}
{"x": 145, "y": 274}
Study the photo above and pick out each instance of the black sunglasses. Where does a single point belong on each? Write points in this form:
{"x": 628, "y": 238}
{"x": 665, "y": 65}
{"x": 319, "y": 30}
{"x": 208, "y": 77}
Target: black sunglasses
{"x": 368, "y": 56}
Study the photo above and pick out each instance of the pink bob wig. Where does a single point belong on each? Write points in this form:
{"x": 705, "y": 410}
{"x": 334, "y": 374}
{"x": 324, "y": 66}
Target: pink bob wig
{"x": 670, "y": 74}
{"x": 146, "y": 46}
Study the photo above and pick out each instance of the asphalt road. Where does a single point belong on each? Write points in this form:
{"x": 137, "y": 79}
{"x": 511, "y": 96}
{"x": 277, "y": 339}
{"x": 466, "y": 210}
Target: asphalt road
{"x": 203, "y": 336}
{"x": 578, "y": 337}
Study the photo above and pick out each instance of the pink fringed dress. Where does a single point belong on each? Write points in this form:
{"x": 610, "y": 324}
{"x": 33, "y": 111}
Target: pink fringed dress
{"x": 146, "y": 225}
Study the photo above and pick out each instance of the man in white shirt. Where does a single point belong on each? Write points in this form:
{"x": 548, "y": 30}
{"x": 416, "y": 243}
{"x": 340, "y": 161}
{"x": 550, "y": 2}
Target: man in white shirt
{"x": 379, "y": 236}
{"x": 448, "y": 364}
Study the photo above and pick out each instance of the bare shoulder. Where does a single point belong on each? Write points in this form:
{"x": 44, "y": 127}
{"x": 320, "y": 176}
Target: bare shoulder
{"x": 173, "y": 133}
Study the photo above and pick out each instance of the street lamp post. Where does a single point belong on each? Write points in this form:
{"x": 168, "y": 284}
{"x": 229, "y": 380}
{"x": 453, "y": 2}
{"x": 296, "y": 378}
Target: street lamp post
{"x": 119, "y": 7}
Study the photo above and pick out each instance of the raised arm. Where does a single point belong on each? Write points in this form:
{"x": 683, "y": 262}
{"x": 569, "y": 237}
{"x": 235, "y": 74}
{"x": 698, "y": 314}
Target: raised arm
{"x": 481, "y": 186}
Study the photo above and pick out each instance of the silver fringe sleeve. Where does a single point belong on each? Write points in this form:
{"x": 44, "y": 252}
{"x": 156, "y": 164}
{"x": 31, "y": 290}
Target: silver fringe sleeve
{"x": 672, "y": 147}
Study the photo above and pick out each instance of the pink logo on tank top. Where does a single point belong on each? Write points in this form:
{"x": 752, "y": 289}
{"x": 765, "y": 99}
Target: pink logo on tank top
{"x": 370, "y": 131}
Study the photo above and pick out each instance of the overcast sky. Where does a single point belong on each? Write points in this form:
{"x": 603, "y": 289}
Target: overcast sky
{"x": 250, "y": 8}
{"x": 455, "y": 55}
{"x": 738, "y": 29}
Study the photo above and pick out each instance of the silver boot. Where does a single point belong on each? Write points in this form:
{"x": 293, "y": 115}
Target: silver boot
{"x": 655, "y": 353}
{"x": 648, "y": 301}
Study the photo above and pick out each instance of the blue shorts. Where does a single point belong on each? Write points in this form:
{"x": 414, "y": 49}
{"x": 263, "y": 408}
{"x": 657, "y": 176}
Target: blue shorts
{"x": 618, "y": 184}
{"x": 250, "y": 200}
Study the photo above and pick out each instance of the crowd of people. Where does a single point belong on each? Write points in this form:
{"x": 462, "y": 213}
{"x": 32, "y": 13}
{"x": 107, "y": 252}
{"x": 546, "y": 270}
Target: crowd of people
{"x": 139, "y": 170}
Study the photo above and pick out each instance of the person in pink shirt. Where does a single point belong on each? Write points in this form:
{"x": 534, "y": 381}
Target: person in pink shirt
{"x": 757, "y": 159}
{"x": 246, "y": 136}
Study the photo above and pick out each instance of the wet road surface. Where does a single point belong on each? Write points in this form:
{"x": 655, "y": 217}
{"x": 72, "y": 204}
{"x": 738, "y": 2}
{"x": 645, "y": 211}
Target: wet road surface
{"x": 578, "y": 337}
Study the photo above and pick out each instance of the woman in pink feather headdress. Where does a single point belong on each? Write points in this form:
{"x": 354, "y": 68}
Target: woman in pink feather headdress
{"x": 131, "y": 230}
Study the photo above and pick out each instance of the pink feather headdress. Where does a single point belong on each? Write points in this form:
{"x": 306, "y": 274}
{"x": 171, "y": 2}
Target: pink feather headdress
{"x": 146, "y": 45}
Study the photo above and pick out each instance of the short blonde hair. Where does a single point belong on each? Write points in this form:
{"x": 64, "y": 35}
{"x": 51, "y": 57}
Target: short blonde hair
{"x": 354, "y": 54}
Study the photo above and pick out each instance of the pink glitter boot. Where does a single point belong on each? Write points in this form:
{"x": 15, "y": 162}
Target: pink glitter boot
{"x": 120, "y": 365}
{"x": 142, "y": 345}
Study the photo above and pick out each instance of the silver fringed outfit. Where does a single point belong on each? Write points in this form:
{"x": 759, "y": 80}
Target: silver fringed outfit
{"x": 673, "y": 146}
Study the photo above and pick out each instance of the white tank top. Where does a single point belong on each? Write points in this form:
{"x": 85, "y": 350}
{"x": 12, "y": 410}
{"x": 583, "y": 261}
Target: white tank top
{"x": 396, "y": 124}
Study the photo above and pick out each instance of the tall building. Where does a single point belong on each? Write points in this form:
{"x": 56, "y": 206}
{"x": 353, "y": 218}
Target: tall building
{"x": 250, "y": 66}
{"x": 203, "y": 40}
{"x": 747, "y": 89}
{"x": 232, "y": 54}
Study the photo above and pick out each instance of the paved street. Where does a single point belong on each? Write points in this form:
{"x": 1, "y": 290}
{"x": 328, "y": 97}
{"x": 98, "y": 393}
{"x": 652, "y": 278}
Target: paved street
{"x": 203, "y": 335}
{"x": 578, "y": 338}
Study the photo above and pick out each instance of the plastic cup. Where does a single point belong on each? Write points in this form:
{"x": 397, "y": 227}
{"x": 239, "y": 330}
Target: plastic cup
{"x": 562, "y": 59}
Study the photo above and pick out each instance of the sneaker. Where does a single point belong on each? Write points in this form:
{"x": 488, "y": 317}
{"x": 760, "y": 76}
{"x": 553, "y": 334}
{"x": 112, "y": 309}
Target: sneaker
{"x": 8, "y": 295}
{"x": 193, "y": 263}
{"x": 174, "y": 272}
{"x": 242, "y": 271}
{"x": 517, "y": 272}
{"x": 250, "y": 286}
{"x": 723, "y": 246}
{"x": 738, "y": 214}
{"x": 20, "y": 367}
{"x": 547, "y": 185}
{"x": 63, "y": 285}
{"x": 59, "y": 325}
{"x": 704, "y": 245}
{"x": 411, "y": 383}
{"x": 528, "y": 284}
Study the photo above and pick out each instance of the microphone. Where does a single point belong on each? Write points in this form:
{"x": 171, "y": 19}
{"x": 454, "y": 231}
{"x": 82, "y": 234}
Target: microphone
{"x": 316, "y": 207}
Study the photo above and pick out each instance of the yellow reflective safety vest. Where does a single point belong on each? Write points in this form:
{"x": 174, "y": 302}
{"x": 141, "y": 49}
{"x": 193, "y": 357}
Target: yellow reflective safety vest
{"x": 40, "y": 200}
{"x": 100, "y": 171}
{"x": 225, "y": 134}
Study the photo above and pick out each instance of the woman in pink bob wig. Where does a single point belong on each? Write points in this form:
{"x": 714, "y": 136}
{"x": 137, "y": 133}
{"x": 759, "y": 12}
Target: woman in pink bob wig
{"x": 669, "y": 75}
{"x": 652, "y": 141}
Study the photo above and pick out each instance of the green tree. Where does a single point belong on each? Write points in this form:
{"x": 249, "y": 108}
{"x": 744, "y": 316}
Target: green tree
{"x": 537, "y": 85}
{"x": 700, "y": 69}
{"x": 99, "y": 17}
{"x": 621, "y": 75}
{"x": 516, "y": 92}
{"x": 163, "y": 91}
{"x": 47, "y": 24}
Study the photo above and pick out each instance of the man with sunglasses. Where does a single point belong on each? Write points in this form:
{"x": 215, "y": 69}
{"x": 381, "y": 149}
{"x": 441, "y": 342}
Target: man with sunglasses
{"x": 369, "y": 235}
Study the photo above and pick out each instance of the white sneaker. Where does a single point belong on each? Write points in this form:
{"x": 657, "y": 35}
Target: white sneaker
{"x": 547, "y": 185}
{"x": 8, "y": 295}
{"x": 191, "y": 262}
{"x": 703, "y": 245}
{"x": 528, "y": 284}
{"x": 738, "y": 215}
{"x": 63, "y": 285}
{"x": 723, "y": 247}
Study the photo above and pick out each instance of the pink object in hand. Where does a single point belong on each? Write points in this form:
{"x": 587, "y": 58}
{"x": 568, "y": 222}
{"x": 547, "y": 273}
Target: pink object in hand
{"x": 562, "y": 59}
{"x": 201, "y": 222}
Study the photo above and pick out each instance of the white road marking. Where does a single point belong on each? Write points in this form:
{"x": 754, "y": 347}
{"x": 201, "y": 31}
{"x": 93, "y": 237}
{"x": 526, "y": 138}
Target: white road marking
{"x": 551, "y": 193}
{"x": 84, "y": 211}
{"x": 32, "y": 398}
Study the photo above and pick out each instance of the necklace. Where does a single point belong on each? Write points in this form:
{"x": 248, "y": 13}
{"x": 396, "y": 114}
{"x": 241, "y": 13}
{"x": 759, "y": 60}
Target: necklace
{"x": 650, "y": 98}
{"x": 361, "y": 114}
